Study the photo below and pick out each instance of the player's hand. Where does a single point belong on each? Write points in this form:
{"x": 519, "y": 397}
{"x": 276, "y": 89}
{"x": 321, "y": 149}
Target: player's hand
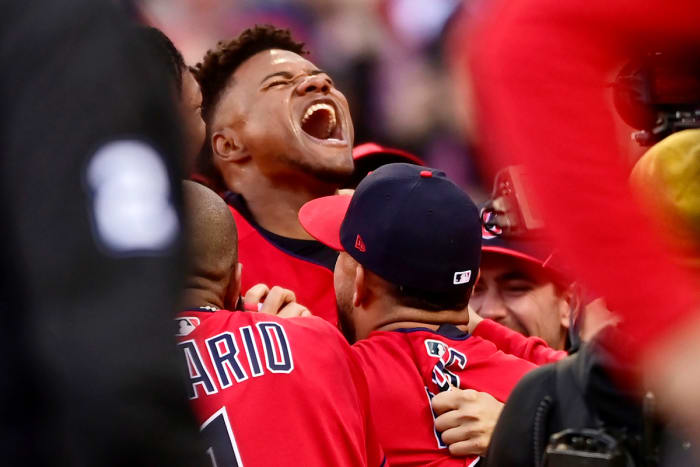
{"x": 275, "y": 301}
{"x": 466, "y": 419}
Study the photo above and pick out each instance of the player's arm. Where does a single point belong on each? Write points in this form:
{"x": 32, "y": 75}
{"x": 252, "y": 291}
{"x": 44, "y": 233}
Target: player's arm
{"x": 531, "y": 348}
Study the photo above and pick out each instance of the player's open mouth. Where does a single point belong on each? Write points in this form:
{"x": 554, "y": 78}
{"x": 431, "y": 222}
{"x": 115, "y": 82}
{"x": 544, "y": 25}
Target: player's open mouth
{"x": 320, "y": 121}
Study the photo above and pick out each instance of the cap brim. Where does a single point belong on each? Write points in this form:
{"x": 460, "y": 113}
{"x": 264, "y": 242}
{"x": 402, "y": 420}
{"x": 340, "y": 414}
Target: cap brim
{"x": 322, "y": 218}
{"x": 551, "y": 270}
{"x": 514, "y": 253}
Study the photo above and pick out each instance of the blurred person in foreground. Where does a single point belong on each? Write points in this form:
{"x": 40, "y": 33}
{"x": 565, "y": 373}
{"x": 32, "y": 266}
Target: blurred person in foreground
{"x": 579, "y": 392}
{"x": 410, "y": 243}
{"x": 268, "y": 391}
{"x": 536, "y": 60}
{"x": 91, "y": 251}
{"x": 278, "y": 135}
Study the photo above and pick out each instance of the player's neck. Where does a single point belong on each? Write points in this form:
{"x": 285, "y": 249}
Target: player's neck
{"x": 402, "y": 317}
{"x": 408, "y": 325}
{"x": 275, "y": 205}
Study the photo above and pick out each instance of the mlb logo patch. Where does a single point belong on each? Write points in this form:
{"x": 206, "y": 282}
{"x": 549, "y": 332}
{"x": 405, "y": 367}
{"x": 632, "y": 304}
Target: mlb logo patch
{"x": 185, "y": 325}
{"x": 462, "y": 277}
{"x": 435, "y": 348}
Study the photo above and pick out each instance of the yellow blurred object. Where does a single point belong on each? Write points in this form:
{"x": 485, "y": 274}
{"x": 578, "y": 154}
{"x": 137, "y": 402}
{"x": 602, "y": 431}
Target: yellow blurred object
{"x": 667, "y": 179}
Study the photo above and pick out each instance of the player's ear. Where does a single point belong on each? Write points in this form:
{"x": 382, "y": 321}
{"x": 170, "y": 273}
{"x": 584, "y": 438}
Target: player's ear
{"x": 236, "y": 279}
{"x": 360, "y": 287}
{"x": 226, "y": 146}
{"x": 569, "y": 303}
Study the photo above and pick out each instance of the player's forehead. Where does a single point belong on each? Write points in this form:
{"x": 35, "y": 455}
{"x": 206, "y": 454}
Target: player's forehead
{"x": 262, "y": 64}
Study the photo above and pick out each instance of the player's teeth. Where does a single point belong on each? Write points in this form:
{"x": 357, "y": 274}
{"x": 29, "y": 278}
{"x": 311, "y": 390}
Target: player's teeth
{"x": 331, "y": 123}
{"x": 319, "y": 106}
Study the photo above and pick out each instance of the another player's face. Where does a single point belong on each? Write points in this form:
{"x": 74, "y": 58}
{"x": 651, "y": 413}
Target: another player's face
{"x": 522, "y": 298}
{"x": 191, "y": 110}
{"x": 344, "y": 283}
{"x": 289, "y": 117}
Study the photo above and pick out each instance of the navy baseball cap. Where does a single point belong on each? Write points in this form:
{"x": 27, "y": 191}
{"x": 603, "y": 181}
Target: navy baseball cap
{"x": 410, "y": 225}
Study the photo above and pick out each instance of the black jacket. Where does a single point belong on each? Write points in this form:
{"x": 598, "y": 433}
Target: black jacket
{"x": 577, "y": 392}
{"x": 89, "y": 374}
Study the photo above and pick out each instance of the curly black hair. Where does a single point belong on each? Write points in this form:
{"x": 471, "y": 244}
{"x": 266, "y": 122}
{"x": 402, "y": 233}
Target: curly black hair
{"x": 164, "y": 53}
{"x": 214, "y": 72}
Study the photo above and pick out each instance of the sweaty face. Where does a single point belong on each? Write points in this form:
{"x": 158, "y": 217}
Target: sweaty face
{"x": 521, "y": 297}
{"x": 191, "y": 110}
{"x": 288, "y": 117}
{"x": 343, "y": 281}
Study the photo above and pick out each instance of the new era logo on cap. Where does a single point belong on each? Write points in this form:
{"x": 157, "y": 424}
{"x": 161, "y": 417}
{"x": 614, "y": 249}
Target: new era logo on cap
{"x": 462, "y": 277}
{"x": 359, "y": 244}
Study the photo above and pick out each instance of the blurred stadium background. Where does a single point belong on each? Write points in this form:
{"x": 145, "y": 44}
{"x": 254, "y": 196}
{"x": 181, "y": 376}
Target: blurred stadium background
{"x": 389, "y": 57}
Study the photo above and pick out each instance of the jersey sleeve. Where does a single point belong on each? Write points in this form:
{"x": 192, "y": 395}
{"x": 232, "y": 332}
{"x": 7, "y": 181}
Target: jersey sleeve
{"x": 532, "y": 349}
{"x": 493, "y": 371}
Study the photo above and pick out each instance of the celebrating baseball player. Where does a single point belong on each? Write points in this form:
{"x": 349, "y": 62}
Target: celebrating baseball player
{"x": 410, "y": 245}
{"x": 279, "y": 135}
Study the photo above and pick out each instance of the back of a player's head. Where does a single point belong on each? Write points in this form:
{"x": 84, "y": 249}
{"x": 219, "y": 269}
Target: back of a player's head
{"x": 428, "y": 300}
{"x": 411, "y": 227}
{"x": 212, "y": 235}
{"x": 164, "y": 53}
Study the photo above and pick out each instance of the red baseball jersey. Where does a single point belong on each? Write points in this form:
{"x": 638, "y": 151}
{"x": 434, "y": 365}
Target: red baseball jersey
{"x": 264, "y": 262}
{"x": 405, "y": 368}
{"x": 269, "y": 391}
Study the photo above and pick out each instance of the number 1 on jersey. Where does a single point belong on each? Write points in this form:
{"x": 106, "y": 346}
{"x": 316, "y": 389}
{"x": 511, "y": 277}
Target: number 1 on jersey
{"x": 223, "y": 449}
